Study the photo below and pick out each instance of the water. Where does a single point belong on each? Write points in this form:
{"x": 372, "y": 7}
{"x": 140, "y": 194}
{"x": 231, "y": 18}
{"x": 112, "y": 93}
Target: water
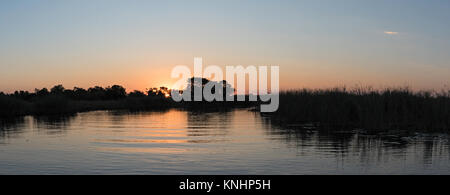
{"x": 181, "y": 142}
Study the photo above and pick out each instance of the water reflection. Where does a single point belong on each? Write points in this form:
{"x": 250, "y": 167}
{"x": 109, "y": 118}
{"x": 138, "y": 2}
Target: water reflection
{"x": 165, "y": 132}
{"x": 53, "y": 125}
{"x": 11, "y": 127}
{"x": 187, "y": 142}
{"x": 369, "y": 146}
{"x": 208, "y": 124}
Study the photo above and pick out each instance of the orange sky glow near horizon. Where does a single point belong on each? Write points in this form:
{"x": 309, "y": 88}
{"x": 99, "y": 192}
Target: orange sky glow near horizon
{"x": 316, "y": 44}
{"x": 146, "y": 77}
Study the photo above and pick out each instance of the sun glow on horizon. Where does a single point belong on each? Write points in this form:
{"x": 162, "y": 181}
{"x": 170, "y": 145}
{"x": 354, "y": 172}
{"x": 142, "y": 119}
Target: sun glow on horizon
{"x": 135, "y": 45}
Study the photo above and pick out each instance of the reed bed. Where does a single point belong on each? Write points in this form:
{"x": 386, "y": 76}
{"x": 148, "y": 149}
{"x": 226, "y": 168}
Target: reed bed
{"x": 366, "y": 108}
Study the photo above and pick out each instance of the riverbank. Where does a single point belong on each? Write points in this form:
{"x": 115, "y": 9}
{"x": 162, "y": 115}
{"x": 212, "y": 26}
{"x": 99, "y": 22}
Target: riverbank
{"x": 57, "y": 105}
{"x": 328, "y": 109}
{"x": 388, "y": 109}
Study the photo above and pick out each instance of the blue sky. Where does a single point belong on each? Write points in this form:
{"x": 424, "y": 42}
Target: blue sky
{"x": 136, "y": 43}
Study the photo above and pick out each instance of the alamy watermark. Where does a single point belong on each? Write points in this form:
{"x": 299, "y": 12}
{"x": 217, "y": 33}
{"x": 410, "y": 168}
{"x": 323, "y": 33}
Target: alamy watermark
{"x": 218, "y": 89}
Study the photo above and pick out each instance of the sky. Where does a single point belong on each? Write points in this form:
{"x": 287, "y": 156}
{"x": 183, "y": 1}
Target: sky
{"x": 136, "y": 43}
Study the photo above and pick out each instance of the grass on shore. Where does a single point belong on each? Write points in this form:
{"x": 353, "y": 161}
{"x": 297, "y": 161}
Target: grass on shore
{"x": 365, "y": 108}
{"x": 334, "y": 109}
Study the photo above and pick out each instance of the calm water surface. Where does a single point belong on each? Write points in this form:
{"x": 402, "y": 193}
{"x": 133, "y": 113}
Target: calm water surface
{"x": 181, "y": 142}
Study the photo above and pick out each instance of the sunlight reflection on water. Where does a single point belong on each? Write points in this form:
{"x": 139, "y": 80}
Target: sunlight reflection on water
{"x": 182, "y": 142}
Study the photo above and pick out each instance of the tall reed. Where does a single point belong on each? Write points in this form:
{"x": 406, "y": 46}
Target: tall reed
{"x": 387, "y": 109}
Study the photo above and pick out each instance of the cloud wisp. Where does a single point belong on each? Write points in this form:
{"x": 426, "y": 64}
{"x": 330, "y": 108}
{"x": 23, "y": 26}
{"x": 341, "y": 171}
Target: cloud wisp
{"x": 390, "y": 33}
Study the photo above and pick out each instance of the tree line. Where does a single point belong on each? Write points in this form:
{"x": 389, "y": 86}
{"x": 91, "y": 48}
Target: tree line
{"x": 114, "y": 92}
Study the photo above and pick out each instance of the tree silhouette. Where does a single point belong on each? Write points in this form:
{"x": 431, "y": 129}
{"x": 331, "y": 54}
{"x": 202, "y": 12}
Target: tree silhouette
{"x": 224, "y": 88}
{"x": 136, "y": 93}
{"x": 115, "y": 92}
{"x": 41, "y": 92}
{"x": 57, "y": 89}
